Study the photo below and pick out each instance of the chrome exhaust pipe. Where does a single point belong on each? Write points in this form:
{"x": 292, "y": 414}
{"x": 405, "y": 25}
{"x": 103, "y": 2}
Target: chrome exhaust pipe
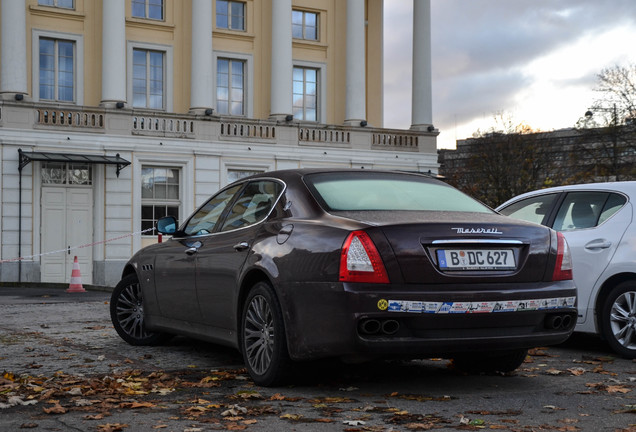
{"x": 554, "y": 322}
{"x": 370, "y": 326}
{"x": 566, "y": 322}
{"x": 390, "y": 327}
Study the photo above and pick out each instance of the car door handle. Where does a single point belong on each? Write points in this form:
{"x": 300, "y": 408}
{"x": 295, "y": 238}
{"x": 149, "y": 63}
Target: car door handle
{"x": 191, "y": 251}
{"x": 241, "y": 246}
{"x": 598, "y": 244}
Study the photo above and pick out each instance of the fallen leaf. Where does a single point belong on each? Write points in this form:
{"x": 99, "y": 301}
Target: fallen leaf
{"x": 249, "y": 394}
{"x": 419, "y": 426}
{"x": 353, "y": 422}
{"x": 112, "y": 427}
{"x": 135, "y": 405}
{"x": 294, "y": 417}
{"x": 234, "y": 410}
{"x": 331, "y": 400}
{"x": 55, "y": 409}
{"x": 578, "y": 371}
{"x": 618, "y": 389}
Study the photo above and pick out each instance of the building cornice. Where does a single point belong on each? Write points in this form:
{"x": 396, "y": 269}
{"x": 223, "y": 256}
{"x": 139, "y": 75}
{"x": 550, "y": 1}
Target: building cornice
{"x": 56, "y": 13}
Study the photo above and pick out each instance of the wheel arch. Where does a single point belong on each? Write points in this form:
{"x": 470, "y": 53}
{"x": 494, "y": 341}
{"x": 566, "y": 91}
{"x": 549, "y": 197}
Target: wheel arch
{"x": 128, "y": 269}
{"x": 604, "y": 291}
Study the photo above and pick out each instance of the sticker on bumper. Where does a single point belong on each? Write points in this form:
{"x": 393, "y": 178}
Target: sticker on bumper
{"x": 480, "y": 307}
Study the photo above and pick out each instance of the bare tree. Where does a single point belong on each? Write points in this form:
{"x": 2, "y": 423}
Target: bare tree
{"x": 608, "y": 130}
{"x": 503, "y": 162}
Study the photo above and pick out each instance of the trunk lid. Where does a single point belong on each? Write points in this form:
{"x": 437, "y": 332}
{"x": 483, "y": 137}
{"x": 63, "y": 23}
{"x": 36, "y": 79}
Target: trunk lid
{"x": 450, "y": 247}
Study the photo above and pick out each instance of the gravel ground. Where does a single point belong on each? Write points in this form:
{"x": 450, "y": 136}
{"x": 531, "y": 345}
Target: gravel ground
{"x": 65, "y": 369}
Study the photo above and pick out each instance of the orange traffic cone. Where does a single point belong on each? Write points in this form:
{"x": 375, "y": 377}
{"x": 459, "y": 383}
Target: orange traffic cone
{"x": 76, "y": 279}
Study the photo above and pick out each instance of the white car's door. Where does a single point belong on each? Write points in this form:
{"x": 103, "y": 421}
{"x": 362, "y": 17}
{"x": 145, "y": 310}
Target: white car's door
{"x": 593, "y": 223}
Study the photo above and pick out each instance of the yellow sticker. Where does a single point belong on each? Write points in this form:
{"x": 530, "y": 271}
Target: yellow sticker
{"x": 383, "y": 304}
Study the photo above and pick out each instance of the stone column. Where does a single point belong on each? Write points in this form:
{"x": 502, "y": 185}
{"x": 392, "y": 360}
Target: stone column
{"x": 113, "y": 53}
{"x": 13, "y": 71}
{"x": 202, "y": 73}
{"x": 422, "y": 102}
{"x": 282, "y": 65}
{"x": 355, "y": 106}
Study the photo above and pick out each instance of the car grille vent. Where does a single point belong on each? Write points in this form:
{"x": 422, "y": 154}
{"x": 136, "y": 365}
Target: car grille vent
{"x": 146, "y": 267}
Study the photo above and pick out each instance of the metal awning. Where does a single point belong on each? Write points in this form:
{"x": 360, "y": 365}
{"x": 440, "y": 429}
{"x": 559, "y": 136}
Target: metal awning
{"x": 26, "y": 157}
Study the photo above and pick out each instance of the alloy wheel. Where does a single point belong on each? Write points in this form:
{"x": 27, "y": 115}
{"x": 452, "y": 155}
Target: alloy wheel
{"x": 259, "y": 334}
{"x": 623, "y": 319}
{"x": 130, "y": 311}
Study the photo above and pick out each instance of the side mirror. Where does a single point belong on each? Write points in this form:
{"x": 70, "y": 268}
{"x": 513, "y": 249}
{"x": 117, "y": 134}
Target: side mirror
{"x": 167, "y": 225}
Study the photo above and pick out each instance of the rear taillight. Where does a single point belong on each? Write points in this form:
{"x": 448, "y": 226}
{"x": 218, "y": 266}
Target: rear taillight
{"x": 563, "y": 267}
{"x": 360, "y": 260}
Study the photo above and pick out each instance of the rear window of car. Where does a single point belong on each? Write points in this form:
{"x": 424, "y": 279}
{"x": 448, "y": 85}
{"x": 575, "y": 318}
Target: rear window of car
{"x": 353, "y": 191}
{"x": 587, "y": 209}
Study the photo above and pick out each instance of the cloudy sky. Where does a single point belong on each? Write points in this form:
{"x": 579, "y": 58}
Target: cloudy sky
{"x": 535, "y": 60}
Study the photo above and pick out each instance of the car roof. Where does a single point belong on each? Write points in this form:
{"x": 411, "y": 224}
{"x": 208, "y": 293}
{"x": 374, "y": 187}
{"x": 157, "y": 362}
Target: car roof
{"x": 626, "y": 187}
{"x": 301, "y": 172}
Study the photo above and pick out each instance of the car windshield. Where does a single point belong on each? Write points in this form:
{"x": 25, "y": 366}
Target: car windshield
{"x": 353, "y": 191}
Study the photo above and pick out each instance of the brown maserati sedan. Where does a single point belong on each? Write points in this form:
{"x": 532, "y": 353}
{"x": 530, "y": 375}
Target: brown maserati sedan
{"x": 306, "y": 264}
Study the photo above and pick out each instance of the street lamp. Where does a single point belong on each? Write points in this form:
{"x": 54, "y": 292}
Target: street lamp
{"x": 589, "y": 113}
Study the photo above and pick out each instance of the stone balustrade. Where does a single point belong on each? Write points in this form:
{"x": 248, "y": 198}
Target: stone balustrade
{"x": 212, "y": 128}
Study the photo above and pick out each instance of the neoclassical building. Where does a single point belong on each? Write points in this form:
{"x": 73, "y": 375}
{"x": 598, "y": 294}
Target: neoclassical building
{"x": 114, "y": 113}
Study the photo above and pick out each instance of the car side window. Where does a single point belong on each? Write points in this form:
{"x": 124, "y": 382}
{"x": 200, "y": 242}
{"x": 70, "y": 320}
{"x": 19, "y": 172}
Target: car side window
{"x": 613, "y": 204}
{"x": 253, "y": 205}
{"x": 206, "y": 218}
{"x": 580, "y": 210}
{"x": 533, "y": 209}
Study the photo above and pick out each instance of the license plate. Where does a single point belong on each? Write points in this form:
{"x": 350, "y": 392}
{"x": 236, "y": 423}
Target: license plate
{"x": 475, "y": 259}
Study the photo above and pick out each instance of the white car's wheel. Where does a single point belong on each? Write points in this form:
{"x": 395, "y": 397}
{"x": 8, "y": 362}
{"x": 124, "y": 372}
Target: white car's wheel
{"x": 618, "y": 319}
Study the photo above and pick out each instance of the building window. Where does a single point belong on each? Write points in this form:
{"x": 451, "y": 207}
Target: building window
{"x": 66, "y": 173}
{"x": 66, "y": 4}
{"x": 305, "y": 25}
{"x": 230, "y": 86}
{"x": 230, "y": 15}
{"x": 305, "y": 89}
{"x": 237, "y": 174}
{"x": 160, "y": 195}
{"x": 148, "y": 79}
{"x": 150, "y": 9}
{"x": 57, "y": 69}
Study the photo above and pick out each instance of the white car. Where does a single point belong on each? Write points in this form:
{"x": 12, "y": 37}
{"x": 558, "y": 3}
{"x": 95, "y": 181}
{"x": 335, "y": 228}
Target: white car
{"x": 597, "y": 221}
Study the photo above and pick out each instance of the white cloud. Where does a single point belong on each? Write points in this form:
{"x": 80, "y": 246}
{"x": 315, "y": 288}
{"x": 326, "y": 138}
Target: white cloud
{"x": 537, "y": 59}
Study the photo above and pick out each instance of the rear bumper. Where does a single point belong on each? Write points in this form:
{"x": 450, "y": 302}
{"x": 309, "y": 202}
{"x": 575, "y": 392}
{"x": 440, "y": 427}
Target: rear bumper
{"x": 327, "y": 320}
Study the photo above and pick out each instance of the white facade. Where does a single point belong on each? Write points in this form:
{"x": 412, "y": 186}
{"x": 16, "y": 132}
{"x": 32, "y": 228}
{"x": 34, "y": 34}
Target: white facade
{"x": 202, "y": 152}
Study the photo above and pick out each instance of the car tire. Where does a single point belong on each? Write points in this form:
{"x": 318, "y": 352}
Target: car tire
{"x": 127, "y": 314}
{"x": 618, "y": 319}
{"x": 263, "y": 338}
{"x": 506, "y": 361}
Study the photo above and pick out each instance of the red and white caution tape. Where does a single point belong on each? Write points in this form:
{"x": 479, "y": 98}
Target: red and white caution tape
{"x": 76, "y": 247}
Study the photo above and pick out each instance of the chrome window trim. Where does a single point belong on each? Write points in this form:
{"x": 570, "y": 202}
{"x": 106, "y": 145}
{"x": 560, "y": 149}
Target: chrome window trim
{"x": 243, "y": 227}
